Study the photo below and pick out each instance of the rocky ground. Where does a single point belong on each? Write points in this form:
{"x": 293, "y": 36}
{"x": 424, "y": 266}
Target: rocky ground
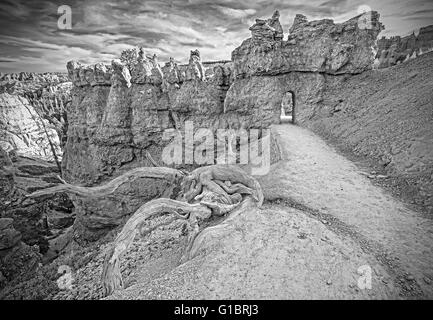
{"x": 30, "y": 228}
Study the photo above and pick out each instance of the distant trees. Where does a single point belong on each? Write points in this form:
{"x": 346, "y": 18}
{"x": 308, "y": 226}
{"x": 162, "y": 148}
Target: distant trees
{"x": 129, "y": 56}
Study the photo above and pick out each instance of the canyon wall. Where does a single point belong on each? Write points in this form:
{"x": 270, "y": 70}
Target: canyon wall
{"x": 311, "y": 46}
{"x": 32, "y": 114}
{"x": 313, "y": 52}
{"x": 119, "y": 112}
{"x": 395, "y": 50}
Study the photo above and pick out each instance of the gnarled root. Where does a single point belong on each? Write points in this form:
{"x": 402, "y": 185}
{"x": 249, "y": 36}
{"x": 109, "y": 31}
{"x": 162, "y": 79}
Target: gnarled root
{"x": 113, "y": 185}
{"x": 111, "y": 276}
{"x": 211, "y": 234}
{"x": 210, "y": 175}
{"x": 215, "y": 190}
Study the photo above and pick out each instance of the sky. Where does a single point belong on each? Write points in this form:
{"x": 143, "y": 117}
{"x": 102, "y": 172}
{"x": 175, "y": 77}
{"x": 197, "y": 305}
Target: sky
{"x": 31, "y": 41}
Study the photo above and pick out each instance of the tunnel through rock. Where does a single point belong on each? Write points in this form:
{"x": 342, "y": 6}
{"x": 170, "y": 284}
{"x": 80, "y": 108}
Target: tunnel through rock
{"x": 288, "y": 108}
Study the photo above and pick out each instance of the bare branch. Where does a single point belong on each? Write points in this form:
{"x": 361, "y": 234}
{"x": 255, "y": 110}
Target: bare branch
{"x": 110, "y": 187}
{"x": 111, "y": 276}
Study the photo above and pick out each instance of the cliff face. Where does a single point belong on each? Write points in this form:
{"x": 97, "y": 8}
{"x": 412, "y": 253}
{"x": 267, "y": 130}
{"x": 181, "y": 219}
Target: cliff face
{"x": 20, "y": 83}
{"x": 23, "y": 130}
{"x": 314, "y": 51}
{"x": 312, "y": 46}
{"x": 32, "y": 114}
{"x": 119, "y": 112}
{"x": 32, "y": 119}
{"x": 395, "y": 50}
{"x": 6, "y": 179}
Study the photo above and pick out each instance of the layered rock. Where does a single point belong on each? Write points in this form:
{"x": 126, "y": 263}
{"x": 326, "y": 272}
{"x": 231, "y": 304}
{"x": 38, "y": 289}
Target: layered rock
{"x": 24, "y": 131}
{"x": 266, "y": 65}
{"x": 116, "y": 121}
{"x": 18, "y": 261}
{"x": 115, "y": 125}
{"x": 33, "y": 118}
{"x": 120, "y": 112}
{"x": 267, "y": 31}
{"x": 395, "y": 50}
{"x": 6, "y": 179}
{"x": 20, "y": 83}
{"x": 38, "y": 220}
{"x": 312, "y": 46}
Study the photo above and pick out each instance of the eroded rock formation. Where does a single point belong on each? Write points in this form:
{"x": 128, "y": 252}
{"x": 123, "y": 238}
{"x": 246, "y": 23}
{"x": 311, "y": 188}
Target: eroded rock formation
{"x": 266, "y": 67}
{"x": 114, "y": 123}
{"x": 20, "y": 83}
{"x": 311, "y": 46}
{"x": 33, "y": 120}
{"x": 119, "y": 112}
{"x": 395, "y": 50}
{"x": 6, "y": 179}
{"x": 24, "y": 131}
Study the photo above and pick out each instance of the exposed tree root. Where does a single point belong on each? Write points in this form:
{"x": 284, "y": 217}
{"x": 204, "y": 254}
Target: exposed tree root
{"x": 217, "y": 231}
{"x": 111, "y": 276}
{"x": 209, "y": 175}
{"x": 110, "y": 187}
{"x": 216, "y": 190}
{"x": 212, "y": 191}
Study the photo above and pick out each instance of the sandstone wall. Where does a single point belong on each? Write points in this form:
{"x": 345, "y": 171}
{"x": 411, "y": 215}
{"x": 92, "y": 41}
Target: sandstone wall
{"x": 119, "y": 112}
{"x": 266, "y": 66}
{"x": 395, "y": 50}
{"x": 20, "y": 83}
{"x": 33, "y": 120}
{"x": 24, "y": 131}
{"x": 311, "y": 46}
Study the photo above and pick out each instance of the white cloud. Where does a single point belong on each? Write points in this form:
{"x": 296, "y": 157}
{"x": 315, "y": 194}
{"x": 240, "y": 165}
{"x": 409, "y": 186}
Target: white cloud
{"x": 236, "y": 13}
{"x": 102, "y": 29}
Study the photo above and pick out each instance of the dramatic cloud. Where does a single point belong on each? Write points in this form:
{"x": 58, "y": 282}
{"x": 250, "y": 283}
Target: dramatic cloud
{"x": 30, "y": 39}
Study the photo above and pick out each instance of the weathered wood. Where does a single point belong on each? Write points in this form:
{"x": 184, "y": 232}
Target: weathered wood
{"x": 206, "y": 177}
{"x": 149, "y": 157}
{"x": 217, "y": 231}
{"x": 111, "y": 276}
{"x": 113, "y": 185}
{"x": 234, "y": 188}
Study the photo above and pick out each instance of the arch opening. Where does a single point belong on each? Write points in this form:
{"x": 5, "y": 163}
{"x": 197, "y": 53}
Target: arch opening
{"x": 288, "y": 108}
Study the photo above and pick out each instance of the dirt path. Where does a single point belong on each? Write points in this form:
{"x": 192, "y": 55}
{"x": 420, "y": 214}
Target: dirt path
{"x": 313, "y": 177}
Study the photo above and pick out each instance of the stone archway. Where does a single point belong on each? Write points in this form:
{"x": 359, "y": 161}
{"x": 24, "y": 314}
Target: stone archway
{"x": 288, "y": 110}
